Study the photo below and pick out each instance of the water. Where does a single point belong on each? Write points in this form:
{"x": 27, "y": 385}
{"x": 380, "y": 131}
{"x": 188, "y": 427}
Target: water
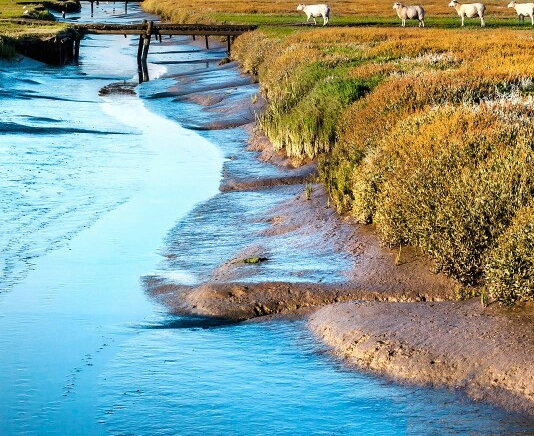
{"x": 93, "y": 191}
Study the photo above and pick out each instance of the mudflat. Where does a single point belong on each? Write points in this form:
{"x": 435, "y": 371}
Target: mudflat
{"x": 487, "y": 352}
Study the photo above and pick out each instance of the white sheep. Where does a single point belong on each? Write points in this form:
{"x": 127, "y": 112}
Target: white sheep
{"x": 523, "y": 9}
{"x": 469, "y": 10}
{"x": 410, "y": 13}
{"x": 321, "y": 10}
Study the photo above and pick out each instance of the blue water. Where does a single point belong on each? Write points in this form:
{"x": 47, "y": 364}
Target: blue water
{"x": 93, "y": 192}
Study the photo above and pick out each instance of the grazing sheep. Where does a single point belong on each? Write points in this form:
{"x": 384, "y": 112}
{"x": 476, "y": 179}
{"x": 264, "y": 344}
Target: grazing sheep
{"x": 315, "y": 11}
{"x": 523, "y": 9}
{"x": 469, "y": 10}
{"x": 410, "y": 13}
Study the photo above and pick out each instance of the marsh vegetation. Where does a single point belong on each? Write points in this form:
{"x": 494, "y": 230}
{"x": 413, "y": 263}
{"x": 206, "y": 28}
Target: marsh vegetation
{"x": 425, "y": 133}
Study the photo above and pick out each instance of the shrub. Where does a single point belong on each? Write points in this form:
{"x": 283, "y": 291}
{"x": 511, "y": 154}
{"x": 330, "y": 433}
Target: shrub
{"x": 509, "y": 268}
{"x": 38, "y": 12}
{"x": 252, "y": 49}
{"x": 450, "y": 181}
{"x": 427, "y": 134}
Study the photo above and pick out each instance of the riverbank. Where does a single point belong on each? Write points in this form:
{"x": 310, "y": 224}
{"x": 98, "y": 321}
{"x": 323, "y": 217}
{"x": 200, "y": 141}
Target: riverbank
{"x": 485, "y": 352}
{"x": 384, "y": 310}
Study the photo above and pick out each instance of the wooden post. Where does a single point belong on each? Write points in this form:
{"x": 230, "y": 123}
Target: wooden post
{"x": 92, "y": 8}
{"x": 126, "y": 7}
{"x": 146, "y": 45}
{"x": 77, "y": 49}
{"x": 144, "y": 67}
{"x": 193, "y": 37}
{"x": 140, "y": 46}
{"x": 207, "y": 44}
{"x": 228, "y": 41}
{"x": 71, "y": 49}
{"x": 59, "y": 48}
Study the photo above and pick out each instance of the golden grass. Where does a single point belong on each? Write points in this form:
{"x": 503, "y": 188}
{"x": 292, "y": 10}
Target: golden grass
{"x": 437, "y": 152}
{"x": 180, "y": 11}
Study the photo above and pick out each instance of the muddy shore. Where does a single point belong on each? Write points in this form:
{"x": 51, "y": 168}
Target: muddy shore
{"x": 382, "y": 310}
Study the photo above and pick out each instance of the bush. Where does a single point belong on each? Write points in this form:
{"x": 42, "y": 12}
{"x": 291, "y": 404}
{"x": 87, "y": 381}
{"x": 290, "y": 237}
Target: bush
{"x": 38, "y": 12}
{"x": 308, "y": 127}
{"x": 428, "y": 135}
{"x": 509, "y": 268}
{"x": 251, "y": 50}
{"x": 450, "y": 181}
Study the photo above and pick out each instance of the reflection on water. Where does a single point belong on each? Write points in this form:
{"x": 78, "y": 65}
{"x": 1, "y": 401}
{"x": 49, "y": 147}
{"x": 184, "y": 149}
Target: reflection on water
{"x": 90, "y": 186}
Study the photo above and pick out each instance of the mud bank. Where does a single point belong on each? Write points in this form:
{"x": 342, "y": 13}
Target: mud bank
{"x": 384, "y": 310}
{"x": 487, "y": 352}
{"x": 235, "y": 289}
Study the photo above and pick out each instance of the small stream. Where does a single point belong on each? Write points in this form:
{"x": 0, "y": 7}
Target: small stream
{"x": 92, "y": 191}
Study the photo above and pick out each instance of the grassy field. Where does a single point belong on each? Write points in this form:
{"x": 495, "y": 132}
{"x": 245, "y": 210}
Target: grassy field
{"x": 378, "y": 12}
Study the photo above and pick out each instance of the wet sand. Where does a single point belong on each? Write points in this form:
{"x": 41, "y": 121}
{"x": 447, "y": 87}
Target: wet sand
{"x": 382, "y": 310}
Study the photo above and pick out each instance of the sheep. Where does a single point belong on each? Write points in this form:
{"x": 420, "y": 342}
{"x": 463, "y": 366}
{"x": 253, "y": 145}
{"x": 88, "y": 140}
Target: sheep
{"x": 469, "y": 10}
{"x": 321, "y": 10}
{"x": 523, "y": 9}
{"x": 410, "y": 13}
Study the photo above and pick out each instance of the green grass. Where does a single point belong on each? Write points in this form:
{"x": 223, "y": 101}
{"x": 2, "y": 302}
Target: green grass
{"x": 11, "y": 9}
{"x": 11, "y": 31}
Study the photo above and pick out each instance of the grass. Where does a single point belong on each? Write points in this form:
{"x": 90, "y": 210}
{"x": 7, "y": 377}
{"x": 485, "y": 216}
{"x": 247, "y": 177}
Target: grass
{"x": 433, "y": 143}
{"x": 43, "y": 27}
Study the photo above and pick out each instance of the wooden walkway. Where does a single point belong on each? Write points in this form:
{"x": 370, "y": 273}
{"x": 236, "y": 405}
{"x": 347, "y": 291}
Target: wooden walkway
{"x": 163, "y": 29}
{"x": 146, "y": 30}
{"x": 65, "y": 47}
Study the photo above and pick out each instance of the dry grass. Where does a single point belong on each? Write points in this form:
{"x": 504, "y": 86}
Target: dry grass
{"x": 203, "y": 10}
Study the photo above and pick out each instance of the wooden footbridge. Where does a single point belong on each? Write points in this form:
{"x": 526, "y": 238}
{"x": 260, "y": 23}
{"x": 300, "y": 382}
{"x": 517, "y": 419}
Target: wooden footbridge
{"x": 146, "y": 30}
{"x": 65, "y": 47}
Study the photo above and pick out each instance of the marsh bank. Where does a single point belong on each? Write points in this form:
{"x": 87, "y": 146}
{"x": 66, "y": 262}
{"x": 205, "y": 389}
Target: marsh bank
{"x": 237, "y": 290}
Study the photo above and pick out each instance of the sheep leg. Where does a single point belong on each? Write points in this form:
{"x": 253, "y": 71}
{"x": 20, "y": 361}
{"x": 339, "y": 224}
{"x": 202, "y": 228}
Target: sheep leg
{"x": 403, "y": 22}
{"x": 462, "y": 21}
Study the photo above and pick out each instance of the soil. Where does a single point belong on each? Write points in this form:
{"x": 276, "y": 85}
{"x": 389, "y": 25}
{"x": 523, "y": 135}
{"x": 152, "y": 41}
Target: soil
{"x": 486, "y": 352}
{"x": 391, "y": 313}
